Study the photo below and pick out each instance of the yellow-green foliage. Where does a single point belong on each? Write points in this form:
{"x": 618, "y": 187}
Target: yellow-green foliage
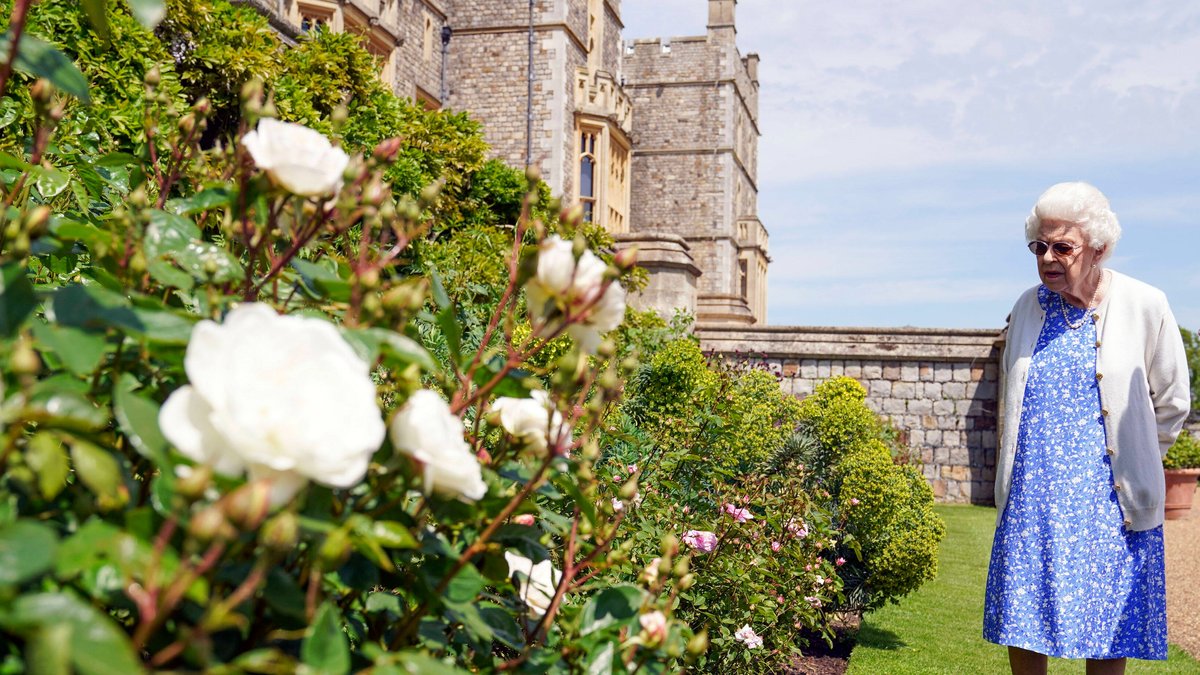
{"x": 759, "y": 418}
{"x": 672, "y": 387}
{"x": 837, "y": 414}
{"x": 889, "y": 508}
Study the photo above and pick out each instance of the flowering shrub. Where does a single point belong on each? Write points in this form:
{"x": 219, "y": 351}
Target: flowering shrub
{"x": 760, "y": 573}
{"x": 242, "y": 434}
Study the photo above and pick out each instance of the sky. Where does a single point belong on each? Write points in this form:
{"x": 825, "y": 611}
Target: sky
{"x": 904, "y": 143}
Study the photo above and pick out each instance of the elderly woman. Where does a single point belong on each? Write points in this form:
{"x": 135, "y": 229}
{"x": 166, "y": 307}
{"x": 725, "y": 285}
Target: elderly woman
{"x": 1096, "y": 390}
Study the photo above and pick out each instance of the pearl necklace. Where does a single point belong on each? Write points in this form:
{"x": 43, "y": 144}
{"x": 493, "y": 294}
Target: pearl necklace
{"x": 1062, "y": 306}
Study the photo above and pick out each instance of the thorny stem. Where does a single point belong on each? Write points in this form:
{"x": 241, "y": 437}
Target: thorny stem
{"x": 473, "y": 550}
{"x": 16, "y": 28}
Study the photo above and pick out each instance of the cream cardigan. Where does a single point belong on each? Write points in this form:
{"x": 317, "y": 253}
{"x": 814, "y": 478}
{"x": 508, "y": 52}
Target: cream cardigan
{"x": 1144, "y": 395}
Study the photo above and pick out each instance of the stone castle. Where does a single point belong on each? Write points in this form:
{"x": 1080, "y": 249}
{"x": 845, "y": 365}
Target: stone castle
{"x": 673, "y": 122}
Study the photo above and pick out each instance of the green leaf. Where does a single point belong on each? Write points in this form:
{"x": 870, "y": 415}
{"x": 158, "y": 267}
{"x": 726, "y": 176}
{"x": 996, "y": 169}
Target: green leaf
{"x": 370, "y": 342}
{"x": 320, "y": 282}
{"x": 94, "y": 307}
{"x": 66, "y": 409}
{"x": 17, "y": 300}
{"x": 149, "y": 13}
{"x": 504, "y": 627}
{"x": 7, "y": 161}
{"x": 465, "y": 586}
{"x": 80, "y": 351}
{"x": 415, "y": 663}
{"x": 204, "y": 260}
{"x": 26, "y": 550}
{"x": 48, "y": 650}
{"x": 205, "y": 200}
{"x": 612, "y": 606}
{"x": 447, "y": 320}
{"x": 39, "y": 58}
{"x": 391, "y": 534}
{"x": 47, "y": 457}
{"x": 138, "y": 419}
{"x": 600, "y": 661}
{"x": 100, "y": 472}
{"x": 91, "y": 236}
{"x": 51, "y": 182}
{"x": 97, "y": 17}
{"x": 115, "y": 160}
{"x": 168, "y": 275}
{"x": 168, "y": 232}
{"x": 325, "y": 649}
{"x": 97, "y": 645}
{"x": 383, "y": 602}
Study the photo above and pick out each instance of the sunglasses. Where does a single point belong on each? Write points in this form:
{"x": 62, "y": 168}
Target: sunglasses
{"x": 1061, "y": 249}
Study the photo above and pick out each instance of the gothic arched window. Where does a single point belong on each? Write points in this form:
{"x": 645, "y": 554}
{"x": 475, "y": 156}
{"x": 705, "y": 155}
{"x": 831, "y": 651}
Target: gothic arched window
{"x": 587, "y": 173}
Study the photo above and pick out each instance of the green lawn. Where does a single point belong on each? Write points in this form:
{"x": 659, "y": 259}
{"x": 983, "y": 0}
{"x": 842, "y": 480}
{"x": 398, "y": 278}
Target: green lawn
{"x": 937, "y": 629}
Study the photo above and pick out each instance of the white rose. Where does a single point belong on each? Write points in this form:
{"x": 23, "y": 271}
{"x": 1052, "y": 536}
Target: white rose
{"x": 578, "y": 287}
{"x": 283, "y": 398}
{"x": 655, "y": 625}
{"x": 535, "y": 583}
{"x": 427, "y": 431}
{"x": 301, "y": 160}
{"x": 532, "y": 420}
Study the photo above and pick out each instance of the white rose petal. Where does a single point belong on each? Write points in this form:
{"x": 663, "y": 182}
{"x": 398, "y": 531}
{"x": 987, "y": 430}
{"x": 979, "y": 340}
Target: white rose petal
{"x": 426, "y": 430}
{"x": 536, "y": 583}
{"x": 533, "y": 420}
{"x": 280, "y": 397}
{"x": 301, "y": 160}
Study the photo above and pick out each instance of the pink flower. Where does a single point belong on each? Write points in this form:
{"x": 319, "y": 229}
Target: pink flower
{"x": 524, "y": 519}
{"x": 618, "y": 505}
{"x": 739, "y": 514}
{"x": 840, "y": 562}
{"x": 701, "y": 540}
{"x": 813, "y": 600}
{"x": 685, "y": 508}
{"x": 779, "y": 599}
{"x": 748, "y": 637}
{"x": 798, "y": 529}
{"x": 632, "y": 468}
{"x": 775, "y": 546}
{"x": 854, "y": 502}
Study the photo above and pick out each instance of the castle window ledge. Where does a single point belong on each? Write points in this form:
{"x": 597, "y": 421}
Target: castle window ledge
{"x": 600, "y": 94}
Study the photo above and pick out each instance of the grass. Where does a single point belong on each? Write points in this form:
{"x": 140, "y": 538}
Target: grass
{"x": 938, "y": 628}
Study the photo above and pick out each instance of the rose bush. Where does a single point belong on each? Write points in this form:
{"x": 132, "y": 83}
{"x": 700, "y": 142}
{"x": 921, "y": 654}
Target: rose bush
{"x": 197, "y": 367}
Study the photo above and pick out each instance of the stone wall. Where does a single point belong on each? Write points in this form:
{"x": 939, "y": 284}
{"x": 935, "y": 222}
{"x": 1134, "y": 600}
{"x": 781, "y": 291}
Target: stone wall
{"x": 939, "y": 388}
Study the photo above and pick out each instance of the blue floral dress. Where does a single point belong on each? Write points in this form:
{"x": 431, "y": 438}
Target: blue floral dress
{"x": 1066, "y": 578}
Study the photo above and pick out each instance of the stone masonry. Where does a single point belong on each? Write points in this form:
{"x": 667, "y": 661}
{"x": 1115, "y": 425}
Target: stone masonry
{"x": 938, "y": 388}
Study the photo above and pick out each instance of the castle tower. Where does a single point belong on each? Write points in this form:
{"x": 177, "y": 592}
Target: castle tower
{"x": 581, "y": 115}
{"x": 695, "y": 161}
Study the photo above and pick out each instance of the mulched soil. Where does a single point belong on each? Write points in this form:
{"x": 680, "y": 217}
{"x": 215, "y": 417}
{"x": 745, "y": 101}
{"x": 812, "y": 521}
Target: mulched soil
{"x": 821, "y": 659}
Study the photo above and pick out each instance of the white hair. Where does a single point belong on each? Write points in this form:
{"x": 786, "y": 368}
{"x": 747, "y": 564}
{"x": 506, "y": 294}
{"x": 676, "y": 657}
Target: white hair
{"x": 1079, "y": 203}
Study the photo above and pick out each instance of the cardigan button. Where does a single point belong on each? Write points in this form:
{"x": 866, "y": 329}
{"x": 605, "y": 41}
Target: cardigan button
{"x": 1109, "y": 450}
{"x": 1117, "y": 487}
{"x": 1104, "y": 412}
{"x": 1097, "y": 344}
{"x": 1099, "y": 376}
{"x": 1128, "y": 522}
{"x": 1095, "y": 318}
